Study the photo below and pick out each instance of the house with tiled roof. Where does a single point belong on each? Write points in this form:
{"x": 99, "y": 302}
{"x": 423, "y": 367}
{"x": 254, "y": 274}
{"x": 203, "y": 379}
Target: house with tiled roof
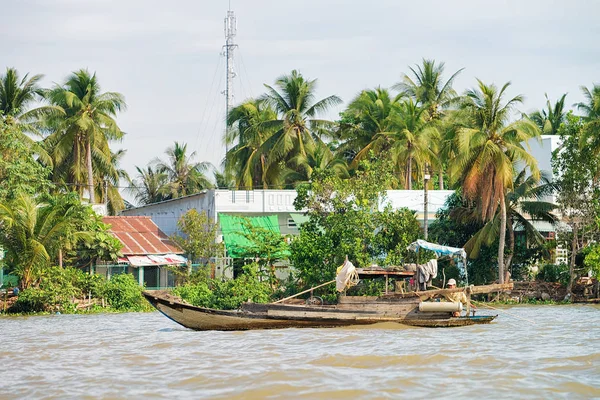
{"x": 147, "y": 252}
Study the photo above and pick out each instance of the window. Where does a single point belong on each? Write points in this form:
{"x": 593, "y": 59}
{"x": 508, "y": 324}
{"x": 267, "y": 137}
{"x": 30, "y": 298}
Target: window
{"x": 291, "y": 223}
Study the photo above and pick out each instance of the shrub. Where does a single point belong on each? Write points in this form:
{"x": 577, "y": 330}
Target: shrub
{"x": 226, "y": 295}
{"x": 554, "y": 273}
{"x": 123, "y": 293}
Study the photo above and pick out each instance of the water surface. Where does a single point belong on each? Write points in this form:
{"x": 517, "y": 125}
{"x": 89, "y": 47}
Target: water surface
{"x": 138, "y": 355}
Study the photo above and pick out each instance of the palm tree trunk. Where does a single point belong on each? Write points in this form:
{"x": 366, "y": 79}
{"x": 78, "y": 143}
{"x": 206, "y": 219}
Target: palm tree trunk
{"x": 76, "y": 169}
{"x": 441, "y": 178}
{"x": 409, "y": 174}
{"x": 90, "y": 171}
{"x": 511, "y": 238}
{"x": 502, "y": 239}
{"x": 572, "y": 261}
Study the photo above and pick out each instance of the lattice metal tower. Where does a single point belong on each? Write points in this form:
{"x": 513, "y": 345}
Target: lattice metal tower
{"x": 229, "y": 47}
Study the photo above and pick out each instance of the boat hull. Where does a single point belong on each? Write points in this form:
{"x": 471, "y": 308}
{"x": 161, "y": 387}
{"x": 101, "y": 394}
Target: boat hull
{"x": 277, "y": 316}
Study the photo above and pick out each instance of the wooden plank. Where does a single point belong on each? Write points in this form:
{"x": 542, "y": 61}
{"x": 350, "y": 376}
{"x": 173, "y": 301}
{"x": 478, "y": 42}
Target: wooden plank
{"x": 468, "y": 289}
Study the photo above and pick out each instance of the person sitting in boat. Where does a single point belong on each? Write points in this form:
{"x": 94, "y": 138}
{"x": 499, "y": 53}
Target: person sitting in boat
{"x": 457, "y": 297}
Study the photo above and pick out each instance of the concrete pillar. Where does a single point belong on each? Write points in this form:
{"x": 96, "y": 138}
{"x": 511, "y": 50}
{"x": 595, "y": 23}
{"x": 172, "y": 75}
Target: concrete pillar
{"x": 141, "y": 276}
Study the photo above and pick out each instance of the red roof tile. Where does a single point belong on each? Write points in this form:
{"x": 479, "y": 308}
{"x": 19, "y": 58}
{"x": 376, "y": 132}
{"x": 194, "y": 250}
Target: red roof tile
{"x": 140, "y": 236}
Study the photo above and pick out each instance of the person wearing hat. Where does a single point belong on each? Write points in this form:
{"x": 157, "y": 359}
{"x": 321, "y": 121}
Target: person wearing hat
{"x": 457, "y": 297}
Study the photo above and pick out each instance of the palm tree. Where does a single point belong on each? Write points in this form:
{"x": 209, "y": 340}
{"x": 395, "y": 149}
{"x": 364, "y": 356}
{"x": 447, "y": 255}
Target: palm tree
{"x": 83, "y": 134}
{"x": 414, "y": 146}
{"x": 33, "y": 233}
{"x": 184, "y": 175}
{"x": 591, "y": 107}
{"x": 297, "y": 127}
{"x": 371, "y": 117}
{"x": 150, "y": 185}
{"x": 428, "y": 89}
{"x": 107, "y": 178}
{"x": 391, "y": 125}
{"x": 487, "y": 146}
{"x": 524, "y": 204}
{"x": 16, "y": 96}
{"x": 320, "y": 160}
{"x": 549, "y": 120}
{"x": 247, "y": 161}
{"x": 591, "y": 115}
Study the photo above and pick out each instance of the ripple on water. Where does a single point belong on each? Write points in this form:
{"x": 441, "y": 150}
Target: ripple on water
{"x": 147, "y": 355}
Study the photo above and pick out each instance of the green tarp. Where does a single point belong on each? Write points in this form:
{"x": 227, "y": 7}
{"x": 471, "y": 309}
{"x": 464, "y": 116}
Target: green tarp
{"x": 233, "y": 229}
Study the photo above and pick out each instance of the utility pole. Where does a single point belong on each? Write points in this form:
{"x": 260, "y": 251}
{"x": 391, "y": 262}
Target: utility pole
{"x": 229, "y": 47}
{"x": 425, "y": 201}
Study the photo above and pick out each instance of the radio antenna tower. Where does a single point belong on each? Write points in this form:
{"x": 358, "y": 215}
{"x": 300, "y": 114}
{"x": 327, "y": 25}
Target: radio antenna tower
{"x": 230, "y": 32}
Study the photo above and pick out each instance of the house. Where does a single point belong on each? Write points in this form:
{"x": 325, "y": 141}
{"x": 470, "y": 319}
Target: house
{"x": 271, "y": 209}
{"x": 147, "y": 252}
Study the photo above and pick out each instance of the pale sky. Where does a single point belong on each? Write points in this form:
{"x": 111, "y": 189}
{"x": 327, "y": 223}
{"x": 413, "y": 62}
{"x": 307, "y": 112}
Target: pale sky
{"x": 165, "y": 56}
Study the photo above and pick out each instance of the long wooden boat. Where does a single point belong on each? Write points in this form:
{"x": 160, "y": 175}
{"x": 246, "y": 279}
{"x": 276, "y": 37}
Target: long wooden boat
{"x": 403, "y": 309}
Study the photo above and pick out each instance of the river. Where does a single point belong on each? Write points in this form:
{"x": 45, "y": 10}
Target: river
{"x": 145, "y": 355}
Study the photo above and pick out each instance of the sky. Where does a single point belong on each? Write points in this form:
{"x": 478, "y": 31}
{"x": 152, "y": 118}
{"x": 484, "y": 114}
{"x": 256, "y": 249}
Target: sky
{"x": 165, "y": 57}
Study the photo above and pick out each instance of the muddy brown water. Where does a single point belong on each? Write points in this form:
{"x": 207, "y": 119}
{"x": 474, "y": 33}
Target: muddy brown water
{"x": 148, "y": 356}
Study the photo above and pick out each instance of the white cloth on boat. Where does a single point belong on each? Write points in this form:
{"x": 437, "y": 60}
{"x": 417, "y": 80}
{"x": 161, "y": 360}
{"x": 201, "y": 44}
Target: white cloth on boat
{"x": 346, "y": 276}
{"x": 426, "y": 272}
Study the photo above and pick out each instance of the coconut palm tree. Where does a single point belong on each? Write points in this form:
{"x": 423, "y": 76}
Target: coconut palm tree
{"x": 320, "y": 160}
{"x": 247, "y": 160}
{"x": 85, "y": 131}
{"x": 34, "y": 232}
{"x": 395, "y": 127}
{"x": 428, "y": 89}
{"x": 108, "y": 179}
{"x": 591, "y": 107}
{"x": 16, "y": 96}
{"x": 591, "y": 116}
{"x": 296, "y": 128}
{"x": 415, "y": 145}
{"x": 549, "y": 120}
{"x": 525, "y": 203}
{"x": 184, "y": 175}
{"x": 487, "y": 147}
{"x": 370, "y": 119}
{"x": 150, "y": 185}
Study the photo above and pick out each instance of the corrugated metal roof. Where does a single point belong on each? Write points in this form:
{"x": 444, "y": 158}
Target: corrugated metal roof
{"x": 140, "y": 236}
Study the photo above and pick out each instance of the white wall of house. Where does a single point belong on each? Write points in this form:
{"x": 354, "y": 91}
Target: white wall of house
{"x": 542, "y": 151}
{"x": 269, "y": 202}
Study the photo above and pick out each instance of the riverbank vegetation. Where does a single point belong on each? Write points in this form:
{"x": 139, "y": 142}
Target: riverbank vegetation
{"x": 57, "y": 147}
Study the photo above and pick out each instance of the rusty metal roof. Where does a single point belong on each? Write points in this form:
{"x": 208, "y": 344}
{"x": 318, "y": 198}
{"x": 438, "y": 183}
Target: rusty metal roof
{"x": 140, "y": 236}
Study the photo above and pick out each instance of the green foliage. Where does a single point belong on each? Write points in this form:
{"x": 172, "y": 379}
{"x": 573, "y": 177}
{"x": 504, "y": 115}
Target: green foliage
{"x": 592, "y": 260}
{"x": 19, "y": 171}
{"x": 61, "y": 289}
{"x": 344, "y": 220}
{"x": 123, "y": 293}
{"x": 265, "y": 245}
{"x": 200, "y": 233}
{"x": 226, "y": 295}
{"x": 554, "y": 273}
{"x": 58, "y": 289}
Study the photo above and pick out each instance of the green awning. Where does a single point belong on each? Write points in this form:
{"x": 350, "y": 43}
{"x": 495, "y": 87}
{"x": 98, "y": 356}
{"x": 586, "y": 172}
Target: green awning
{"x": 299, "y": 219}
{"x": 233, "y": 229}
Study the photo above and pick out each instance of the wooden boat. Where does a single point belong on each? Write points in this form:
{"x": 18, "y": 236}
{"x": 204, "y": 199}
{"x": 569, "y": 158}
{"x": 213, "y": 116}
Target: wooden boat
{"x": 399, "y": 308}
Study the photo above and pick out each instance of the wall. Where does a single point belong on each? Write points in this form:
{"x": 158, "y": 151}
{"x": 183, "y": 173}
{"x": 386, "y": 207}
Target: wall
{"x": 268, "y": 202}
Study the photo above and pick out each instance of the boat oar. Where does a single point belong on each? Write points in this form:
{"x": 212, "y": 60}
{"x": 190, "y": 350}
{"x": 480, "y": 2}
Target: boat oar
{"x": 306, "y": 291}
{"x": 504, "y": 311}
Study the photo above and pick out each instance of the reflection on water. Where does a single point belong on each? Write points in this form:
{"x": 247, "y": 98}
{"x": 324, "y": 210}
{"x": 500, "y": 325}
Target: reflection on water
{"x": 147, "y": 355}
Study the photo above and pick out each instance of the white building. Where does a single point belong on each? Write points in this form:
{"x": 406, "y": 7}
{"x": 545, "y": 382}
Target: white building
{"x": 269, "y": 202}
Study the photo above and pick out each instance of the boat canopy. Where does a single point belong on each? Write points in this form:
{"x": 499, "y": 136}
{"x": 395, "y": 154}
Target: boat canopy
{"x": 458, "y": 253}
